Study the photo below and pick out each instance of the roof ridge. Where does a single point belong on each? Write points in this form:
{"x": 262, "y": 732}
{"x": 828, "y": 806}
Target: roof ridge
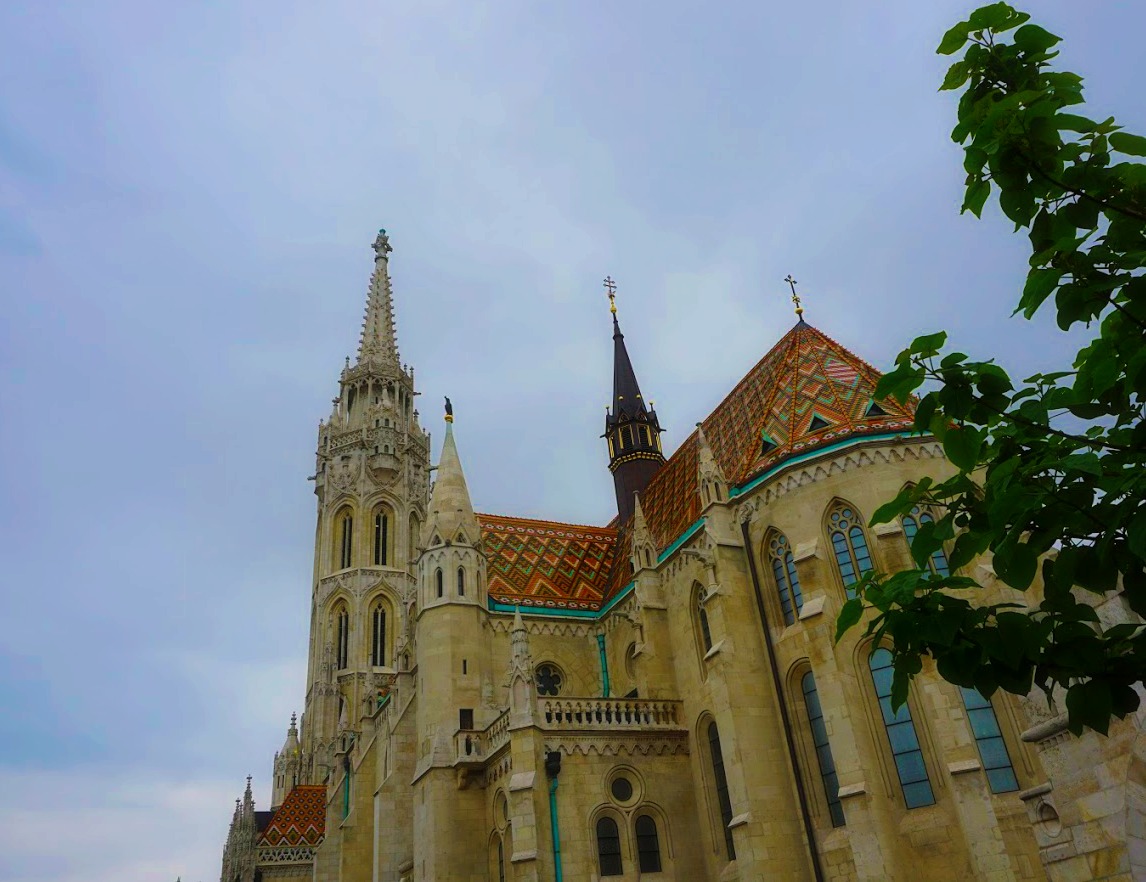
{"x": 606, "y": 529}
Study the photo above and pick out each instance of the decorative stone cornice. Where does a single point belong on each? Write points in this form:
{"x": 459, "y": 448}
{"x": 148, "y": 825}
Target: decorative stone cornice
{"x": 882, "y": 452}
{"x": 620, "y": 744}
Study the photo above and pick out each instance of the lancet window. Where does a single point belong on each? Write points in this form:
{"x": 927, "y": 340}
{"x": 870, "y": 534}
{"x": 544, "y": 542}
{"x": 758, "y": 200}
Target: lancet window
{"x": 824, "y": 759}
{"x": 342, "y": 636}
{"x": 849, "y": 544}
{"x": 378, "y": 636}
{"x": 784, "y": 572}
{"x": 905, "y": 749}
{"x": 648, "y": 844}
{"x": 609, "y": 847}
{"x": 720, "y": 781}
{"x": 938, "y": 561}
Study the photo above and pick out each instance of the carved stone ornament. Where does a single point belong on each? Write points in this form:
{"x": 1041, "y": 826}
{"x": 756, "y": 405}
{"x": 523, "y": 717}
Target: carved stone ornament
{"x": 746, "y": 511}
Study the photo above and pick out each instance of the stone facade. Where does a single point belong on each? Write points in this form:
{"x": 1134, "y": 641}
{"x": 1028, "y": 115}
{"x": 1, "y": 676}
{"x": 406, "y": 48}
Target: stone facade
{"x": 696, "y": 721}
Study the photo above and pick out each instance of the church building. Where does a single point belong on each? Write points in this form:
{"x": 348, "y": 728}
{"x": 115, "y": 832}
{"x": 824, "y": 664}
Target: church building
{"x": 493, "y": 698}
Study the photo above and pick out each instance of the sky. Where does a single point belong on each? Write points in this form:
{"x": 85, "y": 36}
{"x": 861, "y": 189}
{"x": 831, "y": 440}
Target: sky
{"x": 188, "y": 194}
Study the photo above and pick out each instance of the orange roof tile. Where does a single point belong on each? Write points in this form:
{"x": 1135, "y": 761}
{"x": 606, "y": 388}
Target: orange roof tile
{"x": 546, "y": 564}
{"x": 300, "y": 820}
{"x": 806, "y": 393}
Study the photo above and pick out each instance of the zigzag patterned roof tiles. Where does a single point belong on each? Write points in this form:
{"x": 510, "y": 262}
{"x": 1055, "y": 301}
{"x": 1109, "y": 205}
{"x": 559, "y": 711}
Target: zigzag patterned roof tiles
{"x": 806, "y": 393}
{"x": 545, "y": 563}
{"x": 300, "y": 820}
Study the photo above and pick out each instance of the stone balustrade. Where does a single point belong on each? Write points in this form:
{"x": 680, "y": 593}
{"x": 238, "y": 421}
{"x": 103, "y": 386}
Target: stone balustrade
{"x": 477, "y": 745}
{"x": 609, "y": 713}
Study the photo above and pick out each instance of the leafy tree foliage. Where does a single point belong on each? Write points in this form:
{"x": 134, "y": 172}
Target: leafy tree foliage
{"x": 1051, "y": 470}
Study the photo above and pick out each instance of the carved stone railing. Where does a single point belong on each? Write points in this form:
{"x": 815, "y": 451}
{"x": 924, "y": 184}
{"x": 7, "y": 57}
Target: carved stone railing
{"x": 612, "y": 714}
{"x": 478, "y": 745}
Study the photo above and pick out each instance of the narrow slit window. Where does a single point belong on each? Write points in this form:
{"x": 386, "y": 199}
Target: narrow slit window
{"x": 720, "y": 780}
{"x": 849, "y": 546}
{"x": 989, "y": 740}
{"x": 378, "y": 637}
{"x": 438, "y": 582}
{"x": 702, "y": 621}
{"x": 461, "y": 582}
{"x": 347, "y": 544}
{"x": 787, "y": 581}
{"x": 824, "y": 758}
{"x": 381, "y": 539}
{"x": 905, "y": 749}
{"x": 342, "y": 624}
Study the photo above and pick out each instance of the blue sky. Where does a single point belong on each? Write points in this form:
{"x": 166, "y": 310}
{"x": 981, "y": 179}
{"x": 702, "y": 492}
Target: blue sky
{"x": 188, "y": 193}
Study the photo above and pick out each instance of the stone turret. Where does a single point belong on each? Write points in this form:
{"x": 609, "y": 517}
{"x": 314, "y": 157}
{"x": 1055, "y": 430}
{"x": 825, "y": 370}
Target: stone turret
{"x": 287, "y": 765}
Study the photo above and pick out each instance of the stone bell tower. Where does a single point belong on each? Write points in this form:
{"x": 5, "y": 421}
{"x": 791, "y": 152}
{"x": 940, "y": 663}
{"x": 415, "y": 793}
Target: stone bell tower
{"x": 371, "y": 480}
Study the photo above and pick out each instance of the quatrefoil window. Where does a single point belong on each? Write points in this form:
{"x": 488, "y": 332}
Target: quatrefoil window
{"x": 549, "y": 679}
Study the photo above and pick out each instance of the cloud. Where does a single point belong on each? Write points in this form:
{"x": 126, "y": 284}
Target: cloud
{"x": 87, "y": 825}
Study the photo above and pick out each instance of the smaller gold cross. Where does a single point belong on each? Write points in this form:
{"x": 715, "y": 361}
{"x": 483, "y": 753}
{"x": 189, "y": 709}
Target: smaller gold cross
{"x": 795, "y": 297}
{"x": 611, "y": 288}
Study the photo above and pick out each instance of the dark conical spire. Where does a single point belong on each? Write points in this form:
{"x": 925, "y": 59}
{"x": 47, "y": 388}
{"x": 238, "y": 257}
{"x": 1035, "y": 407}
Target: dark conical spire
{"x": 631, "y": 425}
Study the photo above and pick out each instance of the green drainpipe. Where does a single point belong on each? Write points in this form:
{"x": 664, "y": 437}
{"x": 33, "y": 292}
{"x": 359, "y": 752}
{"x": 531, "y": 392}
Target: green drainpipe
{"x": 604, "y": 666}
{"x": 346, "y": 789}
{"x": 553, "y": 769}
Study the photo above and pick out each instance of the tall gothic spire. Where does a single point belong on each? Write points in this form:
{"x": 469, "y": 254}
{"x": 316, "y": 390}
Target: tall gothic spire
{"x": 450, "y": 506}
{"x": 379, "y": 341}
{"x": 631, "y": 426}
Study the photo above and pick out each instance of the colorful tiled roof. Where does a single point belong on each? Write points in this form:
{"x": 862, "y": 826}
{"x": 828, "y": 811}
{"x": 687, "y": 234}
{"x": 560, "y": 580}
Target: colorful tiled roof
{"x": 806, "y": 393}
{"x": 300, "y": 820}
{"x": 546, "y": 564}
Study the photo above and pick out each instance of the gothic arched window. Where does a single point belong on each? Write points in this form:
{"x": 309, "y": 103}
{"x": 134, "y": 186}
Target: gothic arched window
{"x": 438, "y": 581}
{"x": 345, "y": 540}
{"x": 609, "y": 847}
{"x": 989, "y": 740}
{"x": 938, "y": 562}
{"x": 720, "y": 782}
{"x": 381, "y": 539}
{"x": 787, "y": 581}
{"x": 378, "y": 636}
{"x": 342, "y": 638}
{"x": 702, "y": 620}
{"x": 823, "y": 749}
{"x": 461, "y": 582}
{"x": 849, "y": 545}
{"x": 548, "y": 678}
{"x": 905, "y": 749}
{"x": 648, "y": 845}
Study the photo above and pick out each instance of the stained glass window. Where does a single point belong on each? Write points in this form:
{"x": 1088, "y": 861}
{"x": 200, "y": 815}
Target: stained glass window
{"x": 849, "y": 546}
{"x": 787, "y": 582}
{"x": 901, "y": 735}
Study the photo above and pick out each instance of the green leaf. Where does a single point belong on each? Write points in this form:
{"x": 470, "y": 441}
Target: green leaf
{"x": 1040, "y": 283}
{"x": 1089, "y": 704}
{"x": 954, "y": 39}
{"x": 1136, "y": 534}
{"x": 1016, "y": 565}
{"x": 929, "y": 344}
{"x": 850, "y": 614}
{"x": 962, "y": 446}
{"x": 1124, "y": 142}
{"x": 957, "y": 75}
{"x": 976, "y": 197}
{"x": 1032, "y": 38}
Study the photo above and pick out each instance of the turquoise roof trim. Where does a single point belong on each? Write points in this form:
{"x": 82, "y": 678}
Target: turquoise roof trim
{"x": 847, "y": 442}
{"x": 494, "y": 606}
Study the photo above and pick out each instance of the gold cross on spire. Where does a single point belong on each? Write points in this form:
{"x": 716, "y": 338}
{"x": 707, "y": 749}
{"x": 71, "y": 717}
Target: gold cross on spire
{"x": 611, "y": 289}
{"x": 795, "y": 297}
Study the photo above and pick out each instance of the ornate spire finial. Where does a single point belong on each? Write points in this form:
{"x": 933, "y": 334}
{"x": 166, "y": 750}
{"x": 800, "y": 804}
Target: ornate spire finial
{"x": 795, "y": 297}
{"x": 449, "y": 410}
{"x": 382, "y": 246}
{"x": 379, "y": 342}
{"x": 611, "y": 290}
